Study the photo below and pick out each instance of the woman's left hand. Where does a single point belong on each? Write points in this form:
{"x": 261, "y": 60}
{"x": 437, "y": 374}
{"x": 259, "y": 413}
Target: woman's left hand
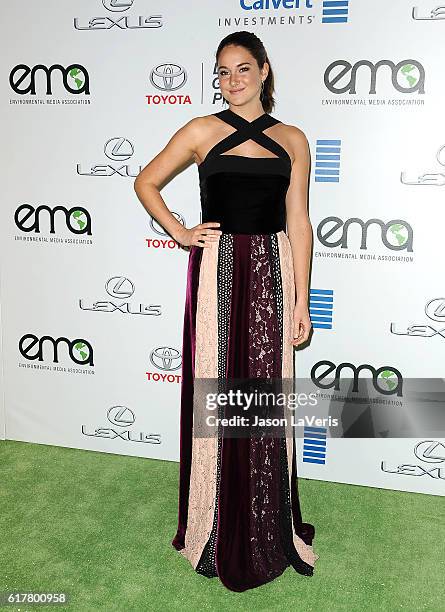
{"x": 302, "y": 324}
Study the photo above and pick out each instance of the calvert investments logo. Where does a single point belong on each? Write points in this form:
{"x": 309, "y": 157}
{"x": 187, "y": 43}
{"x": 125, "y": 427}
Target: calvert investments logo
{"x": 431, "y": 454}
{"x": 321, "y": 303}
{"x": 335, "y": 11}
{"x": 118, "y": 149}
{"x": 327, "y": 161}
{"x": 273, "y": 13}
{"x": 121, "y": 419}
{"x": 74, "y": 79}
{"x": 167, "y": 78}
{"x": 118, "y": 18}
{"x": 120, "y": 289}
{"x": 435, "y": 311}
{"x": 166, "y": 360}
{"x": 428, "y": 178}
{"x": 395, "y": 235}
{"x": 46, "y": 349}
{"x": 314, "y": 445}
{"x": 54, "y": 220}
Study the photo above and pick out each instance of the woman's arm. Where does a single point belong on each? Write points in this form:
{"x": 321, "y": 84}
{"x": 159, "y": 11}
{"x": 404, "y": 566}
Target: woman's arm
{"x": 178, "y": 153}
{"x": 300, "y": 230}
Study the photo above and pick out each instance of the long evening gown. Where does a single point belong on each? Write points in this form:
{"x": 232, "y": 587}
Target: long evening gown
{"x": 239, "y": 511}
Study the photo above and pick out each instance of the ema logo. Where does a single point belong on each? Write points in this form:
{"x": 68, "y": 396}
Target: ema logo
{"x": 320, "y": 308}
{"x": 79, "y": 350}
{"x": 407, "y": 76}
{"x": 335, "y": 11}
{"x": 76, "y": 219}
{"x": 396, "y": 234}
{"x": 23, "y": 79}
{"x": 314, "y": 445}
{"x": 327, "y": 161}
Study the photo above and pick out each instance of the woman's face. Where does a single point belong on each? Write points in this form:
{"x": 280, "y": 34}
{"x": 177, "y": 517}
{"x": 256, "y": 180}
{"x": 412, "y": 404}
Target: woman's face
{"x": 239, "y": 75}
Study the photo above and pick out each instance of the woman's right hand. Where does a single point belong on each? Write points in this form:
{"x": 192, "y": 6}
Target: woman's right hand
{"x": 201, "y": 235}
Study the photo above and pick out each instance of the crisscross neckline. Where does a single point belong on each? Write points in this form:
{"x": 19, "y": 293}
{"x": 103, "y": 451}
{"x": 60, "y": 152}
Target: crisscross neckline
{"x": 242, "y": 120}
{"x": 247, "y": 130}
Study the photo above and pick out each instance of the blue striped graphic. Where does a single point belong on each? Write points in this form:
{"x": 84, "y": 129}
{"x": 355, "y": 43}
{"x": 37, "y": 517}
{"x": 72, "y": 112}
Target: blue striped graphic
{"x": 314, "y": 445}
{"x": 321, "y": 303}
{"x": 327, "y": 161}
{"x": 335, "y": 11}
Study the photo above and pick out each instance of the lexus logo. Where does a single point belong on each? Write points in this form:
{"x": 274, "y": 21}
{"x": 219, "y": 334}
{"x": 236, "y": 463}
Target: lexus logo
{"x": 166, "y": 358}
{"x": 119, "y": 287}
{"x": 121, "y": 416}
{"x": 118, "y": 149}
{"x": 117, "y": 5}
{"x": 168, "y": 77}
{"x": 435, "y": 309}
{"x": 430, "y": 451}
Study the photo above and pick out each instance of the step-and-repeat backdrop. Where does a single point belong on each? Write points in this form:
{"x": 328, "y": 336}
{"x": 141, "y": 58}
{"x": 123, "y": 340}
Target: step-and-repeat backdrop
{"x": 93, "y": 289}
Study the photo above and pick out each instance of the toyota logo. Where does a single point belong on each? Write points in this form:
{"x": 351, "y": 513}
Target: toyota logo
{"x": 168, "y": 77}
{"x": 157, "y": 228}
{"x": 166, "y": 358}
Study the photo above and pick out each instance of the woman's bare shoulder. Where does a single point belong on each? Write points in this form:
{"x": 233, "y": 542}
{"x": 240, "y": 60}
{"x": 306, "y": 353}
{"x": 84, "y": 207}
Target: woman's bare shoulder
{"x": 201, "y": 132}
{"x": 201, "y": 122}
{"x": 199, "y": 129}
{"x": 295, "y": 140}
{"x": 294, "y": 133}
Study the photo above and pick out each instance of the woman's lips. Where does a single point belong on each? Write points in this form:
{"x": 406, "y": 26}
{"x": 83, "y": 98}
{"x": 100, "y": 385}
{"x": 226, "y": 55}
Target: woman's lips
{"x": 234, "y": 91}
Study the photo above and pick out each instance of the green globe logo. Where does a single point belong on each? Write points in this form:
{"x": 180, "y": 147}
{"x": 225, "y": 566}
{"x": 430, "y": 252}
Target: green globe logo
{"x": 398, "y": 234}
{"x": 78, "y": 218}
{"x": 386, "y": 380}
{"x": 408, "y": 75}
{"x": 81, "y": 351}
{"x": 76, "y": 78}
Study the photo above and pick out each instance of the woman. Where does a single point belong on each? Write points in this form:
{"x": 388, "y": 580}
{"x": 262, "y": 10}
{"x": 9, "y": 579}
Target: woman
{"x": 246, "y": 307}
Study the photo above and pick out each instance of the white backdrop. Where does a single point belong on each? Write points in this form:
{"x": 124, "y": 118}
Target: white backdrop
{"x": 84, "y": 268}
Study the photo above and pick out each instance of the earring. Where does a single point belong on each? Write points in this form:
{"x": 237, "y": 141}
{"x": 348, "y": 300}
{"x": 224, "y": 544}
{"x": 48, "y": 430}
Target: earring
{"x": 262, "y": 90}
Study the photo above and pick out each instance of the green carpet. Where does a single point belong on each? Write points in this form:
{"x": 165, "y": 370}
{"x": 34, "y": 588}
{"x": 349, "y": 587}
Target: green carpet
{"x": 98, "y": 526}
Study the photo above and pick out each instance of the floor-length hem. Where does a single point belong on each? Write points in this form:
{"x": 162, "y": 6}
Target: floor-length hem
{"x": 231, "y": 332}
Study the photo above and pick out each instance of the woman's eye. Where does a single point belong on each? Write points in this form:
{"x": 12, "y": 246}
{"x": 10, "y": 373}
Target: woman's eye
{"x": 223, "y": 73}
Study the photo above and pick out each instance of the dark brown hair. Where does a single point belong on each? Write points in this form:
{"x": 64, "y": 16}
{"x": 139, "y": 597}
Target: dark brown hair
{"x": 253, "y": 44}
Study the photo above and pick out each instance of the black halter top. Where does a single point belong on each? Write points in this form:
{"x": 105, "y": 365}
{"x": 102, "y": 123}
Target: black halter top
{"x": 245, "y": 194}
